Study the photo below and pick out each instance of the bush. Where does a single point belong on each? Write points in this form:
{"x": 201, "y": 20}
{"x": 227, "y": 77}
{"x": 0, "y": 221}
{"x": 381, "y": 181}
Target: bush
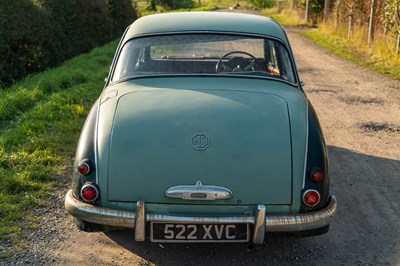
{"x": 170, "y": 4}
{"x": 37, "y": 34}
{"x": 122, "y": 15}
{"x": 260, "y": 4}
{"x": 23, "y": 38}
{"x": 315, "y": 9}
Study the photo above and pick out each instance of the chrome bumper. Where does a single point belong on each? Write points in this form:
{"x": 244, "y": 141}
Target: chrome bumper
{"x": 137, "y": 220}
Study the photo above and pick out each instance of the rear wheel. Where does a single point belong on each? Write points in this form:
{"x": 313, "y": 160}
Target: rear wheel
{"x": 313, "y": 232}
{"x": 87, "y": 227}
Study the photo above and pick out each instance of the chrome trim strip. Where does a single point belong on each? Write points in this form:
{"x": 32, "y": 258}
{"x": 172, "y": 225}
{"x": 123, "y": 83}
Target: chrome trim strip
{"x": 115, "y": 58}
{"x": 96, "y": 144}
{"x": 198, "y": 192}
{"x": 259, "y": 226}
{"x": 202, "y": 75}
{"x": 199, "y": 220}
{"x": 121, "y": 45}
{"x": 306, "y": 148}
{"x": 126, "y": 219}
{"x": 140, "y": 222}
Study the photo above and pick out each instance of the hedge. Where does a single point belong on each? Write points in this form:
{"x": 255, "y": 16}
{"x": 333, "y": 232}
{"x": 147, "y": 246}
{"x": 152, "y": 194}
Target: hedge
{"x": 38, "y": 34}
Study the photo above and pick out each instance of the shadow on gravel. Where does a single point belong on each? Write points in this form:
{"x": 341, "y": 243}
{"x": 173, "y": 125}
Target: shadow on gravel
{"x": 278, "y": 248}
{"x": 366, "y": 229}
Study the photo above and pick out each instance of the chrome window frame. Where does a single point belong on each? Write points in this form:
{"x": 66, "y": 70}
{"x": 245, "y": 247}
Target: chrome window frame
{"x": 123, "y": 43}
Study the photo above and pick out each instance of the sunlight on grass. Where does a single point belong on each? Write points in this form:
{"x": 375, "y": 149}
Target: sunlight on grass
{"x": 40, "y": 121}
{"x": 288, "y": 18}
{"x": 379, "y": 57}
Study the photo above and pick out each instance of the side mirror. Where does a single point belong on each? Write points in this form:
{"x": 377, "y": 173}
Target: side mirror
{"x": 105, "y": 80}
{"x": 302, "y": 83}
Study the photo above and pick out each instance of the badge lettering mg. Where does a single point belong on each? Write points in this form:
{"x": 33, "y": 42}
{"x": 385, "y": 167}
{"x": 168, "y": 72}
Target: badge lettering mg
{"x": 200, "y": 142}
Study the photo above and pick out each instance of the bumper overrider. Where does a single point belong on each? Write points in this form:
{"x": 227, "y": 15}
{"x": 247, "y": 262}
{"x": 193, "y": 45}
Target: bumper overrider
{"x": 261, "y": 221}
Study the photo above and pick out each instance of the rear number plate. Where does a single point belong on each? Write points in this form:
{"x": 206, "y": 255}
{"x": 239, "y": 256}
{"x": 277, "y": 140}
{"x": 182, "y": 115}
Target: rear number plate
{"x": 167, "y": 232}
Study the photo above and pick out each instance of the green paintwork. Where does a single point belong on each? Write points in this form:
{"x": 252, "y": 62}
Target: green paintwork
{"x": 249, "y": 135}
{"x": 257, "y": 129}
{"x": 206, "y": 21}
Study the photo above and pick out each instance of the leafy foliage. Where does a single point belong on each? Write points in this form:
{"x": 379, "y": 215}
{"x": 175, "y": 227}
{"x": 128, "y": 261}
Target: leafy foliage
{"x": 391, "y": 16}
{"x": 23, "y": 38}
{"x": 37, "y": 34}
{"x": 315, "y": 9}
{"x": 170, "y": 4}
{"x": 260, "y": 4}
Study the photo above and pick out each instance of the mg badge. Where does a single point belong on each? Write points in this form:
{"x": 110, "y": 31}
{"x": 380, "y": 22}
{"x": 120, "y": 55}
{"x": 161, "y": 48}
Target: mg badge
{"x": 200, "y": 142}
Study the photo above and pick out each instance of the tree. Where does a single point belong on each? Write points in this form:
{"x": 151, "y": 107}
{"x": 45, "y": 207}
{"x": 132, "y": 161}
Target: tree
{"x": 260, "y": 4}
{"x": 327, "y": 9}
{"x": 152, "y": 4}
{"x": 391, "y": 20}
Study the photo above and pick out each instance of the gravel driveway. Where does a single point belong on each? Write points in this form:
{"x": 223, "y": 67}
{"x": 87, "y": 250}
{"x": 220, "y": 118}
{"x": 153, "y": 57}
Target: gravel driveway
{"x": 360, "y": 116}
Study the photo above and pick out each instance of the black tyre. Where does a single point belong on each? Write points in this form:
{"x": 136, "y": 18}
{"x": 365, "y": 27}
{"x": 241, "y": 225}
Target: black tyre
{"x": 87, "y": 227}
{"x": 314, "y": 232}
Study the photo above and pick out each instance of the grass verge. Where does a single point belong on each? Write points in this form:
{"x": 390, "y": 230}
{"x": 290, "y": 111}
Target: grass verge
{"x": 40, "y": 121}
{"x": 379, "y": 57}
{"x": 161, "y": 9}
{"x": 204, "y": 5}
{"x": 287, "y": 18}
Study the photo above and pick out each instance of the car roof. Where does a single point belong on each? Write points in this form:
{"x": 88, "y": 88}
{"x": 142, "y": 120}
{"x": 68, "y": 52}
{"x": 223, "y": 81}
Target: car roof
{"x": 206, "y": 21}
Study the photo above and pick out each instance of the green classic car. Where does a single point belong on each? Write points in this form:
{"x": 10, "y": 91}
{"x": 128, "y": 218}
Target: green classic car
{"x": 202, "y": 134}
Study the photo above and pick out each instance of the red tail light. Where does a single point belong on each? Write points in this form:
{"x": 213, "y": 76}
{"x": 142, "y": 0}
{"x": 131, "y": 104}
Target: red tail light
{"x": 311, "y": 198}
{"x": 84, "y": 167}
{"x": 317, "y": 176}
{"x": 89, "y": 193}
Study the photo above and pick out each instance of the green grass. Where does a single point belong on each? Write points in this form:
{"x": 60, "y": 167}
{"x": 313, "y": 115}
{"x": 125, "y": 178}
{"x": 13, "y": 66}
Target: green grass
{"x": 380, "y": 57}
{"x": 40, "y": 121}
{"x": 206, "y": 5}
{"x": 161, "y": 9}
{"x": 286, "y": 18}
{"x": 4, "y": 255}
{"x": 41, "y": 118}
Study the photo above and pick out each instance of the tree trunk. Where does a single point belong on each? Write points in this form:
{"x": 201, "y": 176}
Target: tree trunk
{"x": 350, "y": 22}
{"x": 327, "y": 10}
{"x": 371, "y": 27}
{"x": 306, "y": 13}
{"x": 294, "y": 4}
{"x": 337, "y": 14}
